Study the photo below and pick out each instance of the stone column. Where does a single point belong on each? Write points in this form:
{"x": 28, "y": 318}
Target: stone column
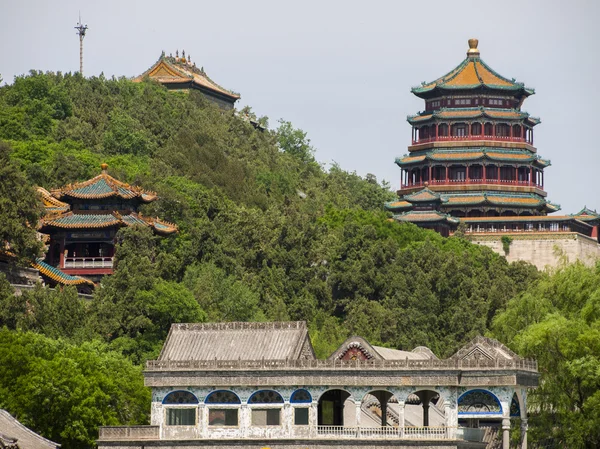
{"x": 202, "y": 421}
{"x": 451, "y": 419}
{"x": 358, "y": 405}
{"x": 524, "y": 434}
{"x": 288, "y": 419}
{"x": 401, "y": 419}
{"x": 506, "y": 433}
{"x": 244, "y": 420}
{"x": 313, "y": 418}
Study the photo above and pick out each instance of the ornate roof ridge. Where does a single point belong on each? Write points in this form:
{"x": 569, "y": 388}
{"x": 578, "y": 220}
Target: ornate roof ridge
{"x": 239, "y": 326}
{"x": 113, "y": 184}
{"x": 57, "y": 275}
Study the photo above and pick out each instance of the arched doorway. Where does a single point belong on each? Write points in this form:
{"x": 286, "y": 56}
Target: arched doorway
{"x": 379, "y": 408}
{"x": 335, "y": 409}
{"x": 425, "y": 408}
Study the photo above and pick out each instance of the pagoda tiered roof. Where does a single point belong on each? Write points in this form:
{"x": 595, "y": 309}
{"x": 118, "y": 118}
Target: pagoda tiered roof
{"x": 51, "y": 204}
{"x": 472, "y": 154}
{"x": 471, "y": 74}
{"x": 171, "y": 70}
{"x": 588, "y": 216}
{"x": 472, "y": 113}
{"x": 103, "y": 186}
{"x": 70, "y": 220}
{"x": 426, "y": 216}
{"x": 497, "y": 199}
{"x": 59, "y": 276}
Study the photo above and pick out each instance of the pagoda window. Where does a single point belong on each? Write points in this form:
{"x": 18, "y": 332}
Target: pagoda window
{"x": 462, "y": 102}
{"x": 458, "y": 173}
{"x": 488, "y": 129}
{"x": 434, "y": 104}
{"x": 459, "y": 130}
{"x": 476, "y": 172}
{"x": 517, "y": 131}
{"x": 443, "y": 129}
{"x": 502, "y": 130}
{"x": 476, "y": 129}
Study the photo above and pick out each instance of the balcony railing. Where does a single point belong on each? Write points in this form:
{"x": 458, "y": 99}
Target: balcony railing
{"x": 340, "y": 365}
{"x": 509, "y": 182}
{"x": 129, "y": 433}
{"x": 88, "y": 262}
{"x": 463, "y": 138}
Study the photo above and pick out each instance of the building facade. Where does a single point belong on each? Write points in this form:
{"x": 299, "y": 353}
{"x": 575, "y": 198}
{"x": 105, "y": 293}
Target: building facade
{"x": 258, "y": 385}
{"x": 80, "y": 224}
{"x": 179, "y": 73}
{"x": 472, "y": 160}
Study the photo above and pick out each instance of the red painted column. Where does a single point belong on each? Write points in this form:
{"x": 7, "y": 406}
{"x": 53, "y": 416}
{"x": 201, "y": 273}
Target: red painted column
{"x": 510, "y": 131}
{"x": 468, "y": 178}
{"x": 436, "y": 131}
{"x": 482, "y": 129}
{"x": 530, "y": 175}
{"x": 484, "y": 173}
{"x": 494, "y": 130}
{"x": 498, "y": 173}
{"x": 516, "y": 174}
{"x": 62, "y": 253}
{"x": 595, "y": 232}
{"x": 446, "y": 174}
{"x": 430, "y": 165}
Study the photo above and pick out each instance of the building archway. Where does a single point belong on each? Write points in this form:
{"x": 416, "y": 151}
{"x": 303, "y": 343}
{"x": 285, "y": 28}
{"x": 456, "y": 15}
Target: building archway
{"x": 425, "y": 408}
{"x": 381, "y": 406}
{"x": 332, "y": 406}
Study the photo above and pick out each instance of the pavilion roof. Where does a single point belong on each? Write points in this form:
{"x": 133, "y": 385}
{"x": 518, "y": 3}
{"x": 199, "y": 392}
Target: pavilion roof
{"x": 398, "y": 205}
{"x": 472, "y": 73}
{"x": 371, "y": 352}
{"x": 69, "y": 220}
{"x": 238, "y": 341}
{"x": 51, "y": 204}
{"x": 103, "y": 186}
{"x": 428, "y": 216}
{"x": 424, "y": 196}
{"x": 472, "y": 154}
{"x": 58, "y": 276}
{"x": 17, "y": 435}
{"x": 472, "y": 113}
{"x": 175, "y": 70}
{"x": 587, "y": 215}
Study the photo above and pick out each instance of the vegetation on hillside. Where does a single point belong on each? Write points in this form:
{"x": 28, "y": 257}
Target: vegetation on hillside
{"x": 266, "y": 233}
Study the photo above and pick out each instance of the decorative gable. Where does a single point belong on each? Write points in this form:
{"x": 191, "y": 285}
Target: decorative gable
{"x": 355, "y": 348}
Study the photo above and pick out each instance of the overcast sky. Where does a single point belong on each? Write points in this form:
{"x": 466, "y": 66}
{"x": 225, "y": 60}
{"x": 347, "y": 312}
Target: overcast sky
{"x": 342, "y": 70}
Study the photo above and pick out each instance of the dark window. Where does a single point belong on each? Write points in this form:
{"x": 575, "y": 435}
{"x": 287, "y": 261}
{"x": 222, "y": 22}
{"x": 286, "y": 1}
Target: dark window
{"x": 223, "y": 417}
{"x": 301, "y": 417}
{"x": 267, "y": 417}
{"x": 265, "y": 397}
{"x": 181, "y": 416}
{"x": 180, "y": 397}
{"x": 222, "y": 397}
{"x": 301, "y": 396}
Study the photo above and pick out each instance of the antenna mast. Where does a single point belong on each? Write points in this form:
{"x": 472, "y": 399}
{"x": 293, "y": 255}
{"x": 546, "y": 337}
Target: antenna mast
{"x": 81, "y": 29}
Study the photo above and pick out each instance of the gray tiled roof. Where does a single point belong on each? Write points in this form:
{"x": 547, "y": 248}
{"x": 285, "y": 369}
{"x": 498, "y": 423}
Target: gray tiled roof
{"x": 237, "y": 341}
{"x": 11, "y": 429}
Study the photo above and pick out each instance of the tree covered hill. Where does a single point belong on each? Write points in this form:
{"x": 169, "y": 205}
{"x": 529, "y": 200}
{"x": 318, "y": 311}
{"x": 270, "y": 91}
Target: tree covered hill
{"x": 266, "y": 233}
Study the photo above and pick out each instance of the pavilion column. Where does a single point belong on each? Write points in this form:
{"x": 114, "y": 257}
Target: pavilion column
{"x": 430, "y": 165}
{"x": 484, "y": 173}
{"x": 506, "y": 433}
{"x": 524, "y": 428}
{"x": 498, "y": 167}
{"x": 482, "y": 129}
{"x": 468, "y": 177}
{"x": 436, "y": 131}
{"x": 62, "y": 253}
{"x": 494, "y": 130}
{"x": 530, "y": 174}
{"x": 531, "y": 136}
{"x": 542, "y": 174}
{"x": 446, "y": 174}
{"x": 400, "y": 419}
{"x": 510, "y": 131}
{"x": 517, "y": 174}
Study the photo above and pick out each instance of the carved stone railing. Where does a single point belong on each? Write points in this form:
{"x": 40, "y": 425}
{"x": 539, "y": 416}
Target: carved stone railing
{"x": 88, "y": 262}
{"x": 350, "y": 365}
{"x": 129, "y": 433}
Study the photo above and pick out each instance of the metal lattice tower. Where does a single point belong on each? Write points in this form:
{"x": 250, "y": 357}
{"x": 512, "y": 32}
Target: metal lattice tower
{"x": 81, "y": 29}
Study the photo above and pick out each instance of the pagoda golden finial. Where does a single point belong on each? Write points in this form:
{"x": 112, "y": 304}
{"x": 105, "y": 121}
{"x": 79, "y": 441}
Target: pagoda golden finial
{"x": 473, "y": 51}
{"x": 104, "y": 167}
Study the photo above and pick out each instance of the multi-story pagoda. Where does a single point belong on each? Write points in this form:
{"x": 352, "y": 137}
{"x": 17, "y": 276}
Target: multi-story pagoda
{"x": 472, "y": 159}
{"x": 179, "y": 73}
{"x": 80, "y": 225}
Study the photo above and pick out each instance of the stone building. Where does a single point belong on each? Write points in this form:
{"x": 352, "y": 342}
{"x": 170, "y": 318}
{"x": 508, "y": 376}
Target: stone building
{"x": 179, "y": 73}
{"x": 258, "y": 385}
{"x": 472, "y": 160}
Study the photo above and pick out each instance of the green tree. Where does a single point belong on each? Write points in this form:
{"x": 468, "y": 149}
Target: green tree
{"x": 20, "y": 210}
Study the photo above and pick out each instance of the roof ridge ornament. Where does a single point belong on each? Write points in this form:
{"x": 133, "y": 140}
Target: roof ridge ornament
{"x": 473, "y": 51}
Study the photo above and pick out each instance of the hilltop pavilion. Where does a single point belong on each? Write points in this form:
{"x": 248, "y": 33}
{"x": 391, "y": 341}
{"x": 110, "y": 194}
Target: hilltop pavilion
{"x": 179, "y": 73}
{"x": 80, "y": 225}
